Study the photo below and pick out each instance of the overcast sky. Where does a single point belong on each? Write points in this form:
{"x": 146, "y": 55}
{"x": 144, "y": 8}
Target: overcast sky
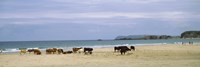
{"x": 24, "y": 20}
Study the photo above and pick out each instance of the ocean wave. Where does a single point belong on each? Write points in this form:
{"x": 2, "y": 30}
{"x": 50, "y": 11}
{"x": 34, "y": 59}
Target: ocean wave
{"x": 11, "y": 50}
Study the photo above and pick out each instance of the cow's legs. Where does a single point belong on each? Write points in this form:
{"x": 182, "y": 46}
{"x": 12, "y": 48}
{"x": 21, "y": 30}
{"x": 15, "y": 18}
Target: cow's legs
{"x": 90, "y": 52}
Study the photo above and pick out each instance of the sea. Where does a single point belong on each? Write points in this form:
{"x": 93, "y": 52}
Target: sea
{"x": 15, "y": 46}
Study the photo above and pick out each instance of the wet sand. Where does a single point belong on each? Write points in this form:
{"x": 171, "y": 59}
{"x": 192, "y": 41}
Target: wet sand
{"x": 144, "y": 56}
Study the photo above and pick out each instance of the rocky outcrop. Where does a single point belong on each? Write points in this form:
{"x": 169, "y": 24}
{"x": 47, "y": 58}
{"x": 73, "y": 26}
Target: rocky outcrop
{"x": 190, "y": 34}
{"x": 142, "y": 37}
{"x": 130, "y": 37}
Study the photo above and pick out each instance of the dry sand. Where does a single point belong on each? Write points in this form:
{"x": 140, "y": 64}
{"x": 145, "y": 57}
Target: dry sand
{"x": 144, "y": 56}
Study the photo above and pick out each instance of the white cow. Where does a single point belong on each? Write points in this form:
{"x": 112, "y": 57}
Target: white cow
{"x": 80, "y": 50}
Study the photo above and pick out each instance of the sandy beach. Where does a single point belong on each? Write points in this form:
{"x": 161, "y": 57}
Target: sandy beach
{"x": 144, "y": 56}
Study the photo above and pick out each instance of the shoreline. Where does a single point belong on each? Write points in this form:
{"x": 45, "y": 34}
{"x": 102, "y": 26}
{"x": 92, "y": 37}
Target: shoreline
{"x": 92, "y": 40}
{"x": 68, "y": 45}
{"x": 98, "y": 46}
{"x": 171, "y": 55}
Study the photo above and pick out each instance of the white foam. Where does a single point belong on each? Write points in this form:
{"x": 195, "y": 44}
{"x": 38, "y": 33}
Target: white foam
{"x": 11, "y": 50}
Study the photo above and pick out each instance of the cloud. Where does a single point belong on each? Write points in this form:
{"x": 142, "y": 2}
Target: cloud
{"x": 94, "y": 2}
{"x": 42, "y": 19}
{"x": 175, "y": 19}
{"x": 64, "y": 15}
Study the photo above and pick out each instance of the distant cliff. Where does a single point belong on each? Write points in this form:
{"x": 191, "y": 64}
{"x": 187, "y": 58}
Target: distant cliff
{"x": 130, "y": 37}
{"x": 186, "y": 34}
{"x": 143, "y": 37}
{"x": 190, "y": 34}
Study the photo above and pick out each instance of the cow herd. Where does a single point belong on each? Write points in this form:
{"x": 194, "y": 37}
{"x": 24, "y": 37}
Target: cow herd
{"x": 121, "y": 49}
{"x": 35, "y": 51}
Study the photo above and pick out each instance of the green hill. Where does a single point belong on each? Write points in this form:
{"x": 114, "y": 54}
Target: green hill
{"x": 190, "y": 34}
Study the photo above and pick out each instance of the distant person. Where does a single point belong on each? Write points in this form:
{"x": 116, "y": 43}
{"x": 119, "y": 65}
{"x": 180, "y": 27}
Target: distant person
{"x": 182, "y": 43}
{"x": 190, "y": 42}
{"x": 1, "y": 51}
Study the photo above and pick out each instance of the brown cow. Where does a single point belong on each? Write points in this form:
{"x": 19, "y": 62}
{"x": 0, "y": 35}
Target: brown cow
{"x": 22, "y": 51}
{"x": 51, "y": 51}
{"x": 60, "y": 51}
{"x": 54, "y": 50}
{"x": 37, "y": 52}
{"x": 76, "y": 49}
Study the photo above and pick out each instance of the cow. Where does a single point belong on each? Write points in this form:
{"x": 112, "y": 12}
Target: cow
{"x": 60, "y": 51}
{"x": 76, "y": 49}
{"x": 80, "y": 51}
{"x": 88, "y": 50}
{"x": 37, "y": 52}
{"x": 116, "y": 49}
{"x": 30, "y": 50}
{"x": 67, "y": 52}
{"x": 22, "y": 51}
{"x": 122, "y": 49}
{"x": 51, "y": 50}
{"x": 54, "y": 50}
{"x": 132, "y": 48}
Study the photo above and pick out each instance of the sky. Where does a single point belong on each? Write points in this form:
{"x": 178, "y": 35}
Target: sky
{"x": 26, "y": 20}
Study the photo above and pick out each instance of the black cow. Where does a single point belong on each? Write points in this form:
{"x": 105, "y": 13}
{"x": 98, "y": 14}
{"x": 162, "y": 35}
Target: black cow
{"x": 88, "y": 50}
{"x": 116, "y": 49}
{"x": 30, "y": 50}
{"x": 67, "y": 52}
{"x": 133, "y": 48}
{"x": 122, "y": 49}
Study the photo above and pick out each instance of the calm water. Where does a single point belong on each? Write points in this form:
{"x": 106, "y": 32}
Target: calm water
{"x": 67, "y": 45}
